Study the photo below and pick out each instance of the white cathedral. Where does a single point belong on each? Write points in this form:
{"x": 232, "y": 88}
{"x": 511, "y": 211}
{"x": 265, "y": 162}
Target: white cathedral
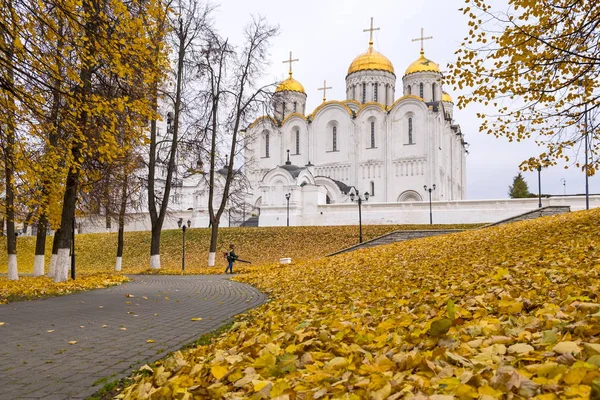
{"x": 373, "y": 141}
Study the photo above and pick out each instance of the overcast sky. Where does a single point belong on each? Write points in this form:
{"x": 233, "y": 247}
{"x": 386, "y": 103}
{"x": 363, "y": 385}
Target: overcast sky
{"x": 327, "y": 35}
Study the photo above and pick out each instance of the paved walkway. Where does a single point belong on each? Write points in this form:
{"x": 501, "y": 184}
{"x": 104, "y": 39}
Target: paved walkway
{"x": 111, "y": 330}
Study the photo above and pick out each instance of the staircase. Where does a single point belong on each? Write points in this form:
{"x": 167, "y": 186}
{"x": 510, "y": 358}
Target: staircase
{"x": 251, "y": 222}
{"x": 397, "y": 236}
{"x": 537, "y": 213}
{"x": 400, "y": 236}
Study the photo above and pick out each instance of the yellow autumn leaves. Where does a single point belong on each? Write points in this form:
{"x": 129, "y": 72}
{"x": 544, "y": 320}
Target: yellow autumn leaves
{"x": 27, "y": 288}
{"x": 509, "y": 311}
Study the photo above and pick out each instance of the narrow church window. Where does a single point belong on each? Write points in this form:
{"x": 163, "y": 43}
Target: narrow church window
{"x": 372, "y": 134}
{"x": 421, "y": 90}
{"x": 297, "y": 141}
{"x": 364, "y": 96}
{"x": 334, "y": 137}
{"x": 295, "y": 106}
{"x": 375, "y": 89}
{"x": 372, "y": 188}
{"x": 433, "y": 92}
{"x": 283, "y": 111}
{"x": 267, "y": 145}
{"x": 408, "y": 91}
{"x": 410, "y": 133}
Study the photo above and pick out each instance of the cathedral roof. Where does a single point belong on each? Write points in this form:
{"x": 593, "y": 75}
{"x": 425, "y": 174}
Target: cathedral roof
{"x": 446, "y": 98}
{"x": 343, "y": 187}
{"x": 371, "y": 60}
{"x": 422, "y": 65}
{"x": 290, "y": 85}
{"x": 294, "y": 170}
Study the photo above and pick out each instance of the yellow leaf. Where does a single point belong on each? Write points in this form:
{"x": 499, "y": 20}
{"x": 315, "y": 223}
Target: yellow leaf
{"x": 73, "y": 342}
{"x": 219, "y": 371}
{"x": 567, "y": 348}
{"x": 149, "y": 341}
{"x": 196, "y": 319}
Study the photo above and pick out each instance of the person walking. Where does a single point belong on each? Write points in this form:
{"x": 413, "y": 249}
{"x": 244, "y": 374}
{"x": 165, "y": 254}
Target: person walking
{"x": 231, "y": 258}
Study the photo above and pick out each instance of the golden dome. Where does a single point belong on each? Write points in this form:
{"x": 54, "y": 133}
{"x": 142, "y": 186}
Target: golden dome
{"x": 446, "y": 97}
{"x": 371, "y": 60}
{"x": 290, "y": 85}
{"x": 422, "y": 65}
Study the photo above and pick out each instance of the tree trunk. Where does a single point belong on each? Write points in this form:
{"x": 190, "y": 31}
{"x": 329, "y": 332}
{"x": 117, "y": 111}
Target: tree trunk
{"x": 63, "y": 258}
{"x": 214, "y": 232}
{"x": 52, "y": 267}
{"x": 11, "y": 238}
{"x": 120, "y": 235}
{"x": 40, "y": 246}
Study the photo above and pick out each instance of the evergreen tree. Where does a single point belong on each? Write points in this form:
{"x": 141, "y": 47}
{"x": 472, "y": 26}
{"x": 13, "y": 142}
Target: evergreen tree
{"x": 519, "y": 188}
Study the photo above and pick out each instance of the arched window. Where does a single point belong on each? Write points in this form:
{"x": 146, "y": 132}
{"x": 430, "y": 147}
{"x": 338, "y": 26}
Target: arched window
{"x": 295, "y": 106}
{"x": 372, "y": 134}
{"x": 375, "y": 90}
{"x": 410, "y": 131}
{"x": 372, "y": 188}
{"x": 408, "y": 91}
{"x": 334, "y": 138}
{"x": 283, "y": 111}
{"x": 267, "y": 145}
{"x": 297, "y": 141}
{"x": 433, "y": 92}
{"x": 364, "y": 94}
{"x": 421, "y": 90}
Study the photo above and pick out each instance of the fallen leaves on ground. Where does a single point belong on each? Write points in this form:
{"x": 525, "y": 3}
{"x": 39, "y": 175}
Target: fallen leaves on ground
{"x": 504, "y": 312}
{"x": 97, "y": 252}
{"x": 28, "y": 288}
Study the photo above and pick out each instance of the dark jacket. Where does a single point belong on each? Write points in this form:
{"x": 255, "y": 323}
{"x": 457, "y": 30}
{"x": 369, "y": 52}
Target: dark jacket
{"x": 231, "y": 256}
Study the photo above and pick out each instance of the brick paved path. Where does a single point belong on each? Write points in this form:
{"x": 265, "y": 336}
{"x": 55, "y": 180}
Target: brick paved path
{"x": 111, "y": 330}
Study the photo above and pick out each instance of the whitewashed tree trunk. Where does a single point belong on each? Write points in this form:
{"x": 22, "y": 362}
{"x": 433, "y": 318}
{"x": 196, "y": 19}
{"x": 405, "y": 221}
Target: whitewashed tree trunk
{"x": 118, "y": 264}
{"x": 13, "y": 272}
{"x": 155, "y": 261}
{"x": 38, "y": 265}
{"x": 63, "y": 259}
{"x": 52, "y": 267}
{"x": 211, "y": 259}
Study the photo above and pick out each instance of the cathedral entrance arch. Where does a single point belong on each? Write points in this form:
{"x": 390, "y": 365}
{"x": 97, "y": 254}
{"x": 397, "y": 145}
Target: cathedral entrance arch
{"x": 257, "y": 205}
{"x": 409, "y": 195}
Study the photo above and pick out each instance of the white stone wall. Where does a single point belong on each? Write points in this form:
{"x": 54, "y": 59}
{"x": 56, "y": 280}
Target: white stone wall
{"x": 444, "y": 212}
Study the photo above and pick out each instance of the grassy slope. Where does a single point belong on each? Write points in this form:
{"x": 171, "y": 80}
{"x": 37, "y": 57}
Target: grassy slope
{"x": 506, "y": 311}
{"x": 97, "y": 252}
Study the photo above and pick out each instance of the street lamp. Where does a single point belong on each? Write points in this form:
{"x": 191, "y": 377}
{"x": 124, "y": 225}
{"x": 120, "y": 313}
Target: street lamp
{"x": 539, "y": 170}
{"x": 355, "y": 196}
{"x": 431, "y": 189}
{"x": 586, "y": 144}
{"x": 183, "y": 227}
{"x": 564, "y": 182}
{"x": 287, "y": 197}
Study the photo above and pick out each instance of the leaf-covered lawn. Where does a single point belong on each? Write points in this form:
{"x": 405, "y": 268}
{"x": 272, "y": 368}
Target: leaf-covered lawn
{"x": 28, "y": 287}
{"x": 97, "y": 252}
{"x": 505, "y": 312}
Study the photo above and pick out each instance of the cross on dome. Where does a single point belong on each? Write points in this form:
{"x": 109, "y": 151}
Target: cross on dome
{"x": 290, "y": 61}
{"x": 324, "y": 89}
{"x": 371, "y": 30}
{"x": 422, "y": 39}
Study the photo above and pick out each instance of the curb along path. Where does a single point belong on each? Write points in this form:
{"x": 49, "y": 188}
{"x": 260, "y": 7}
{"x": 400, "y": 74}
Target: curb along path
{"x": 111, "y": 331}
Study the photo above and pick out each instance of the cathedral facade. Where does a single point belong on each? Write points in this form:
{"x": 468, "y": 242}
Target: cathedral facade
{"x": 388, "y": 138}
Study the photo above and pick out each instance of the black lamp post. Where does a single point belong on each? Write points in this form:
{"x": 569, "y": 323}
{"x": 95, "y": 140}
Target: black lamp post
{"x": 287, "y": 197}
{"x": 564, "y": 182}
{"x": 539, "y": 170}
{"x": 587, "y": 186}
{"x": 355, "y": 196}
{"x": 431, "y": 189}
{"x": 73, "y": 248}
{"x": 183, "y": 227}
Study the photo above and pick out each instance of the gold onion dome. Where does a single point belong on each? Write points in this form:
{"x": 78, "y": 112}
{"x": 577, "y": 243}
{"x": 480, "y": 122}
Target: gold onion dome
{"x": 422, "y": 65}
{"x": 446, "y": 97}
{"x": 290, "y": 85}
{"x": 371, "y": 60}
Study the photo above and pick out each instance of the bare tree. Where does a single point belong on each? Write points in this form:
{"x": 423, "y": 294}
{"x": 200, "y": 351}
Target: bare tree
{"x": 234, "y": 98}
{"x": 189, "y": 22}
